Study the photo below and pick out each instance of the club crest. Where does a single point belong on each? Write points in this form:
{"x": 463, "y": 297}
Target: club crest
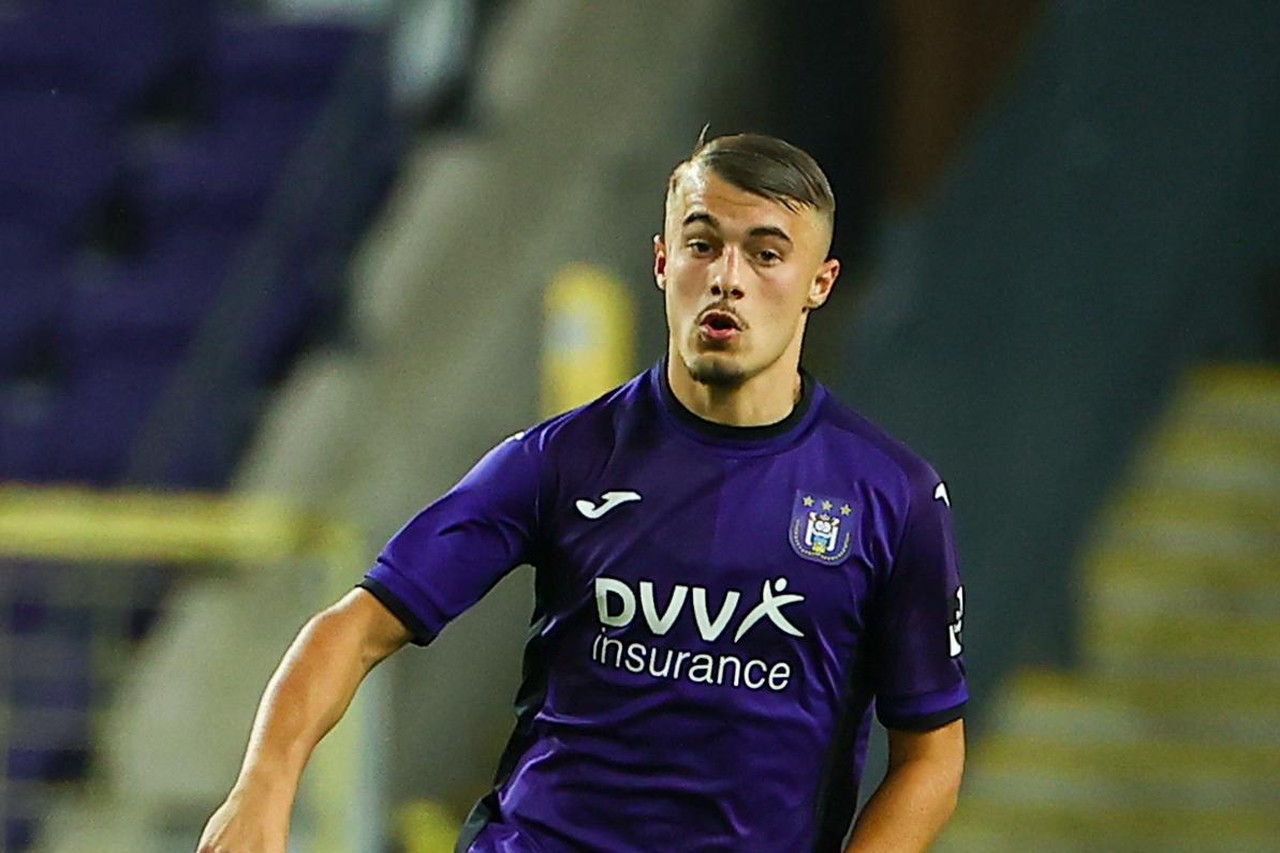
{"x": 821, "y": 527}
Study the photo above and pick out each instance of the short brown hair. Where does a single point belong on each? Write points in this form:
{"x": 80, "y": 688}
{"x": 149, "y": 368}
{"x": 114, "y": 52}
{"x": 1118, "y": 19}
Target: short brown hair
{"x": 765, "y": 166}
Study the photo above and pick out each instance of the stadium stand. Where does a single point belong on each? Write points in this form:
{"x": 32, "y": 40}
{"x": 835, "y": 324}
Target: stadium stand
{"x": 1023, "y": 326}
{"x": 145, "y": 177}
{"x": 445, "y": 345}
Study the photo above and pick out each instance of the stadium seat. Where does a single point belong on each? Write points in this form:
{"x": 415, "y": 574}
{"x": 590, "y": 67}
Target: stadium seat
{"x": 19, "y": 833}
{"x": 29, "y": 417}
{"x": 132, "y": 49}
{"x": 213, "y": 180}
{"x": 32, "y": 62}
{"x": 22, "y": 243}
{"x": 31, "y": 288}
{"x": 105, "y": 408}
{"x": 27, "y": 326}
{"x": 50, "y": 682}
{"x": 146, "y": 309}
{"x": 143, "y": 141}
{"x": 57, "y": 159}
{"x": 254, "y": 62}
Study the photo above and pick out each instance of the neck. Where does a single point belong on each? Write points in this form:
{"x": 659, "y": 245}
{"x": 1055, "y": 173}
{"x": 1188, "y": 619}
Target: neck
{"x": 766, "y": 398}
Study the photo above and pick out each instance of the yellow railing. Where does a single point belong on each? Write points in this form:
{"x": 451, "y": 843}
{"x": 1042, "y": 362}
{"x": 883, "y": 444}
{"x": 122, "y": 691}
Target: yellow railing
{"x": 70, "y": 524}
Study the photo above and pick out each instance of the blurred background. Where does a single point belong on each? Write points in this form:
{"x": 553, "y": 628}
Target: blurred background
{"x": 274, "y": 274}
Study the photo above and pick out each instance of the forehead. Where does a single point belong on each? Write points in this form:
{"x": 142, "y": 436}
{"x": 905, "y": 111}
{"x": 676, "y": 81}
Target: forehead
{"x": 699, "y": 190}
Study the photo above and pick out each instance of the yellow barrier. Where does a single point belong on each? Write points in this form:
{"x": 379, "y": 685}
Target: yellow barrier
{"x": 128, "y": 526}
{"x": 588, "y": 345}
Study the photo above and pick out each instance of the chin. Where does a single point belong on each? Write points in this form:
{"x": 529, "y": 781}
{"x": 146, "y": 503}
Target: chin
{"x": 716, "y": 370}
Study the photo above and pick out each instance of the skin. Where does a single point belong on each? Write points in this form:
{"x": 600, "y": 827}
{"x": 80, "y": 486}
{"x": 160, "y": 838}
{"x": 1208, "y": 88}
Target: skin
{"x": 766, "y": 264}
{"x": 917, "y": 795}
{"x": 725, "y": 248}
{"x": 306, "y": 697}
{"x": 721, "y": 248}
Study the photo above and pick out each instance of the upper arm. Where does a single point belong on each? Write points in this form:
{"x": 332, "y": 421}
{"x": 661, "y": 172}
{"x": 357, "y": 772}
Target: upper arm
{"x": 943, "y": 746}
{"x": 378, "y": 630}
{"x": 451, "y": 553}
{"x": 919, "y": 667}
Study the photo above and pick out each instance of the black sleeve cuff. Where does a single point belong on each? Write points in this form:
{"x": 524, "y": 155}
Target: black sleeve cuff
{"x": 928, "y": 722}
{"x": 421, "y": 634}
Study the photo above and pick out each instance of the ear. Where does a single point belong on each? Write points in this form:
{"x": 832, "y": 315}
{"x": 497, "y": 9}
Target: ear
{"x": 820, "y": 287}
{"x": 659, "y": 262}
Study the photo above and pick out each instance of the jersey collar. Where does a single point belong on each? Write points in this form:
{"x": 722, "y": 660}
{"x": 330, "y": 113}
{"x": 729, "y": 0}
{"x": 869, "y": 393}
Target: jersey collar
{"x": 726, "y": 433}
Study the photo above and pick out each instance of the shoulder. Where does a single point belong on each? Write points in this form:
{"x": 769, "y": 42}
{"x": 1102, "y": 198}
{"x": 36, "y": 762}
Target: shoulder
{"x": 895, "y": 464}
{"x": 543, "y": 455}
{"x": 591, "y": 426}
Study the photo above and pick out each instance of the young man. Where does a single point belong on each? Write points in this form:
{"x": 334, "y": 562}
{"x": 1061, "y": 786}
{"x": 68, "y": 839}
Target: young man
{"x": 730, "y": 568}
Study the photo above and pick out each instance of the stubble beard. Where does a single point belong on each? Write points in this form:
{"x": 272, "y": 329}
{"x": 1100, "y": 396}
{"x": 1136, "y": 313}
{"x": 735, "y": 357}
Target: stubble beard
{"x": 715, "y": 366}
{"x": 715, "y": 372}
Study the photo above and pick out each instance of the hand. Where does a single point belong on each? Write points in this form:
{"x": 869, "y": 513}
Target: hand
{"x": 241, "y": 825}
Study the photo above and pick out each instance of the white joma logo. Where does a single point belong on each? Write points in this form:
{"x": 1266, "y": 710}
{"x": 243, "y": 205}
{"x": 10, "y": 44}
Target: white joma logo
{"x": 608, "y": 501}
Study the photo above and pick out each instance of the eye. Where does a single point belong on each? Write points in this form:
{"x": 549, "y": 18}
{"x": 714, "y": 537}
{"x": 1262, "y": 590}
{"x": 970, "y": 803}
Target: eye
{"x": 769, "y": 256}
{"x": 700, "y": 247}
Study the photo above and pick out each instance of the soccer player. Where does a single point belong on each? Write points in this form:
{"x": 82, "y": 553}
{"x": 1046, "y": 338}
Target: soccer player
{"x": 733, "y": 573}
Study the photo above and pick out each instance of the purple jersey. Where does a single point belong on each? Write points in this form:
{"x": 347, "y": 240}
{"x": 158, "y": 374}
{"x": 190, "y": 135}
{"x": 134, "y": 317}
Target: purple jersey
{"x": 716, "y": 610}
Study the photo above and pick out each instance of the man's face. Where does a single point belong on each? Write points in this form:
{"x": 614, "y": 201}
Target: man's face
{"x": 739, "y": 273}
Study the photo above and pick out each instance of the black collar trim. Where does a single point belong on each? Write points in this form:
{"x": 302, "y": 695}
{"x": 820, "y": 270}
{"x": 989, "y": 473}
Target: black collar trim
{"x": 728, "y": 432}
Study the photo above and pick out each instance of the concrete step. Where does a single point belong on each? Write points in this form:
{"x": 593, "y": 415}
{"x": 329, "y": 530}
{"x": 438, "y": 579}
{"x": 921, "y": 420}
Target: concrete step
{"x": 1208, "y": 464}
{"x": 1122, "y": 564}
{"x": 1207, "y": 533}
{"x": 1187, "y": 773}
{"x": 1230, "y": 398}
{"x": 1118, "y": 584}
{"x": 1164, "y": 738}
{"x": 1059, "y": 706}
{"x": 984, "y": 825}
{"x": 1231, "y": 510}
{"x": 1191, "y": 634}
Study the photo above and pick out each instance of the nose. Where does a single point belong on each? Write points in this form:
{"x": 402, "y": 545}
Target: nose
{"x": 726, "y": 274}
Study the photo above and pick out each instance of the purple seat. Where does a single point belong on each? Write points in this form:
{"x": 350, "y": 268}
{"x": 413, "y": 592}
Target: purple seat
{"x": 273, "y": 79}
{"x": 144, "y": 311}
{"x": 56, "y": 159}
{"x": 257, "y": 60}
{"x": 31, "y": 291}
{"x": 129, "y": 47}
{"x": 23, "y": 243}
{"x": 106, "y": 407}
{"x": 108, "y": 413}
{"x": 19, "y": 833}
{"x": 50, "y": 763}
{"x": 32, "y": 61}
{"x": 215, "y": 180}
{"x": 29, "y": 416}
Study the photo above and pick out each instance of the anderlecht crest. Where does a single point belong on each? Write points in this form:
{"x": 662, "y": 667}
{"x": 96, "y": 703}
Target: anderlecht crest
{"x": 821, "y": 527}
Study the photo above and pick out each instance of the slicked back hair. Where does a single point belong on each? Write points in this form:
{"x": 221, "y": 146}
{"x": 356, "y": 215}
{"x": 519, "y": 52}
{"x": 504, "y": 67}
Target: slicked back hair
{"x": 765, "y": 166}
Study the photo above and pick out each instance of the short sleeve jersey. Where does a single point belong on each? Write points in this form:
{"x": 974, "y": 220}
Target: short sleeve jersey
{"x": 719, "y": 612}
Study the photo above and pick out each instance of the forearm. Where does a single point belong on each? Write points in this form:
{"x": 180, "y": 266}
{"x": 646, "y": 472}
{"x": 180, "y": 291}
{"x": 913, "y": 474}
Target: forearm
{"x": 305, "y": 698}
{"x": 308, "y": 694}
{"x": 907, "y": 811}
{"x": 918, "y": 794}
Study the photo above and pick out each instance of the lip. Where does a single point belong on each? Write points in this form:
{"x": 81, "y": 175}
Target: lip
{"x": 718, "y": 325}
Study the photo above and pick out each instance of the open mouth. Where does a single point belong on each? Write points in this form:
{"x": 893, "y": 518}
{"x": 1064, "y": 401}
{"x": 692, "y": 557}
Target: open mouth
{"x": 719, "y": 325}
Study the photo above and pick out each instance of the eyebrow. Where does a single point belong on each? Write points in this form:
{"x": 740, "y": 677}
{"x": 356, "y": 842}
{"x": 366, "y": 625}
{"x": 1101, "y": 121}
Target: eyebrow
{"x": 699, "y": 216}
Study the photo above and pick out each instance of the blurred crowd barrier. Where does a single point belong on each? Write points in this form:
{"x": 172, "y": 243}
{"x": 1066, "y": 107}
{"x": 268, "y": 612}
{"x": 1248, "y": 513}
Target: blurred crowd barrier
{"x": 135, "y": 739}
